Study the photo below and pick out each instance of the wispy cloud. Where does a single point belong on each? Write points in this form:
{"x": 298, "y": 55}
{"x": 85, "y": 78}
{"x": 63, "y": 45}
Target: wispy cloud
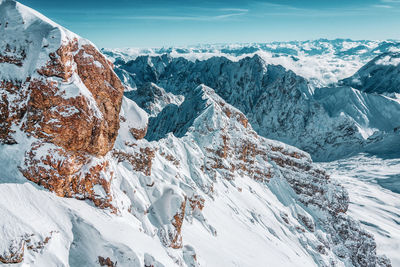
{"x": 381, "y": 6}
{"x": 183, "y": 18}
{"x": 391, "y": 1}
{"x": 234, "y": 9}
{"x": 273, "y": 9}
{"x": 192, "y": 13}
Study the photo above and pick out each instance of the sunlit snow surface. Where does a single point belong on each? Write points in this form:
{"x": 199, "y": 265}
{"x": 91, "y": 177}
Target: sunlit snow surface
{"x": 374, "y": 187}
{"x": 373, "y": 182}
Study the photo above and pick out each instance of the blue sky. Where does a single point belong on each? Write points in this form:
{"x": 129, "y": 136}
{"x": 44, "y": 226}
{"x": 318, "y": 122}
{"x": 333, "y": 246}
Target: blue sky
{"x": 156, "y": 23}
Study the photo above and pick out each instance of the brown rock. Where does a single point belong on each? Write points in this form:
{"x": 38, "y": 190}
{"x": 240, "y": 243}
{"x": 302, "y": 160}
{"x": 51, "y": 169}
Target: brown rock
{"x": 106, "y": 262}
{"x": 138, "y": 133}
{"x": 141, "y": 161}
{"x": 61, "y": 171}
{"x": 177, "y": 222}
{"x": 196, "y": 202}
{"x": 71, "y": 122}
{"x": 73, "y": 131}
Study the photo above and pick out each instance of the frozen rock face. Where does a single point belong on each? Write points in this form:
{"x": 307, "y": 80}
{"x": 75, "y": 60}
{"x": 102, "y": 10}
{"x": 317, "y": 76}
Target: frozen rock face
{"x": 60, "y": 91}
{"x": 153, "y": 99}
{"x": 381, "y": 75}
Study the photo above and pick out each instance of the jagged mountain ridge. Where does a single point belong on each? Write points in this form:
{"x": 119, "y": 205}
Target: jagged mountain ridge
{"x": 320, "y": 46}
{"x": 326, "y": 122}
{"x": 380, "y": 75}
{"x": 160, "y": 203}
{"x": 321, "y": 61}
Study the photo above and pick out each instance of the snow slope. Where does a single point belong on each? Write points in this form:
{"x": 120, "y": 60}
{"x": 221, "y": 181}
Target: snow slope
{"x": 374, "y": 187}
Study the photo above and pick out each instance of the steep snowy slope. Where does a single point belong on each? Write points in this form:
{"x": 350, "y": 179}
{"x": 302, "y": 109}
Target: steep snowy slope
{"x": 374, "y": 190}
{"x": 221, "y": 155}
{"x": 81, "y": 186}
{"x": 381, "y": 75}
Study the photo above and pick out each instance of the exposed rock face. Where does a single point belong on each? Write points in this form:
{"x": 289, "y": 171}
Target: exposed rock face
{"x": 55, "y": 118}
{"x": 59, "y": 89}
{"x": 69, "y": 174}
{"x": 153, "y": 99}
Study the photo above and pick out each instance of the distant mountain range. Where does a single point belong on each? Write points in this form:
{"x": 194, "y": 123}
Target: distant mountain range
{"x": 328, "y": 122}
{"x": 320, "y": 61}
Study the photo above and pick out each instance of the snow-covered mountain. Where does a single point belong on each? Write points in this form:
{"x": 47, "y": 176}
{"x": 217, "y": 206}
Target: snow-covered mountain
{"x": 321, "y": 61}
{"x": 374, "y": 186}
{"x": 381, "y": 75}
{"x": 88, "y": 178}
{"x": 328, "y": 123}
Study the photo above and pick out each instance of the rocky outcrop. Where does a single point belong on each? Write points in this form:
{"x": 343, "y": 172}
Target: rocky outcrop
{"x": 140, "y": 161}
{"x": 69, "y": 174}
{"x": 56, "y": 118}
{"x": 58, "y": 89}
{"x": 28, "y": 242}
{"x": 106, "y": 262}
{"x": 15, "y": 253}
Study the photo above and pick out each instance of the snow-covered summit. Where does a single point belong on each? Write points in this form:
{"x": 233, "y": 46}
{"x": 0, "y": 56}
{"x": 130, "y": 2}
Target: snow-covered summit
{"x": 326, "y": 122}
{"x": 321, "y": 61}
{"x": 381, "y": 75}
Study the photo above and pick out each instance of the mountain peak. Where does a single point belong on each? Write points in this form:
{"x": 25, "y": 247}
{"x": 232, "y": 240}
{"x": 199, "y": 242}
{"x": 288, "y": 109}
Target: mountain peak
{"x": 60, "y": 91}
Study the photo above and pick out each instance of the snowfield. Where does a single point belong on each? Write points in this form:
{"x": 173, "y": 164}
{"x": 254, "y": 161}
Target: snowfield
{"x": 374, "y": 186}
